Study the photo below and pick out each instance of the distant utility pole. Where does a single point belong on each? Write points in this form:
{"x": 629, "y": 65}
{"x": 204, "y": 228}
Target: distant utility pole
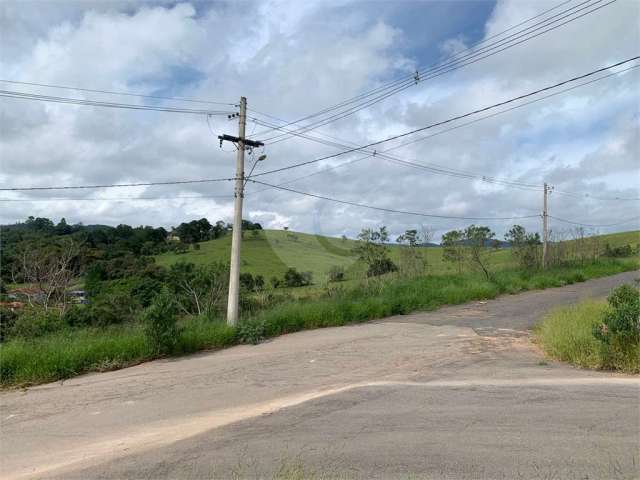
{"x": 545, "y": 227}
{"x": 234, "y": 274}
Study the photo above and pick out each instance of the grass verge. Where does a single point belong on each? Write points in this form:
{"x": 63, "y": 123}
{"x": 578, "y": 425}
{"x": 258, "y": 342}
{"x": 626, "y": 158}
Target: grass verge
{"x": 567, "y": 334}
{"x": 63, "y": 355}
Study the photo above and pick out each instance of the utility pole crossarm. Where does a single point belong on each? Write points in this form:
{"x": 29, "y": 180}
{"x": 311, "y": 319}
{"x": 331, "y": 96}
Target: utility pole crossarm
{"x": 236, "y": 140}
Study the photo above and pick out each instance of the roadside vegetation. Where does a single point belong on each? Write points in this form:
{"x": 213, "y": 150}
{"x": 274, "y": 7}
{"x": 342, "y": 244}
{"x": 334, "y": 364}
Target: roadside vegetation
{"x": 596, "y": 334}
{"x": 77, "y": 299}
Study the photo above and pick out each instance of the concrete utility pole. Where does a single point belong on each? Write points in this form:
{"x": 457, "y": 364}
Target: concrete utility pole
{"x": 236, "y": 239}
{"x": 545, "y": 227}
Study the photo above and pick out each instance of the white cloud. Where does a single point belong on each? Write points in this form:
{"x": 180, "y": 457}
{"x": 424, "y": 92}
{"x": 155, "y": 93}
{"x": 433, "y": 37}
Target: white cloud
{"x": 311, "y": 55}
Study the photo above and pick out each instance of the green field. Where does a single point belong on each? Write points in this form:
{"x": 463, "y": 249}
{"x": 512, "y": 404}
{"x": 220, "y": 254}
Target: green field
{"x": 271, "y": 252}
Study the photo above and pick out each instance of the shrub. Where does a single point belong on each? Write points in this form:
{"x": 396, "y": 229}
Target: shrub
{"x": 621, "y": 323}
{"x": 293, "y": 278}
{"x": 35, "y": 322}
{"x": 380, "y": 266}
{"x": 275, "y": 282}
{"x": 112, "y": 309}
{"x": 336, "y": 273}
{"x": 8, "y": 318}
{"x": 78, "y": 316}
{"x": 251, "y": 283}
{"x": 617, "y": 252}
{"x": 161, "y": 327}
{"x": 246, "y": 281}
{"x": 252, "y": 332}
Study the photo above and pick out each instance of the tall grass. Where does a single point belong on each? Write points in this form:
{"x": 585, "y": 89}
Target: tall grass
{"x": 63, "y": 355}
{"x": 383, "y": 298}
{"x": 567, "y": 334}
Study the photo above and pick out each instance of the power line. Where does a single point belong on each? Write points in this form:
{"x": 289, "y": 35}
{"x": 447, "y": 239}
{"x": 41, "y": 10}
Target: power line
{"x": 439, "y": 169}
{"x": 110, "y": 92}
{"x": 433, "y": 168}
{"x": 595, "y": 197}
{"x": 331, "y": 156}
{"x": 524, "y": 104}
{"x": 448, "y": 67}
{"x": 388, "y": 210}
{"x": 116, "y": 185}
{"x": 453, "y": 172}
{"x": 96, "y": 103}
{"x": 629, "y": 220}
{"x": 452, "y": 119}
{"x": 109, "y": 199}
{"x": 409, "y": 78}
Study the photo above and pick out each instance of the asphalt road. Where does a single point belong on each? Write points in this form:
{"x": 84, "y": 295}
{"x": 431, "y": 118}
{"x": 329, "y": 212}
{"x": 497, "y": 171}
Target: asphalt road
{"x": 457, "y": 393}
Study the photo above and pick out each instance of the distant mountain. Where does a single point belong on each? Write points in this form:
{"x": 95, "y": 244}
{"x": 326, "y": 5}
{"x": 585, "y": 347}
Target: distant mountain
{"x": 489, "y": 243}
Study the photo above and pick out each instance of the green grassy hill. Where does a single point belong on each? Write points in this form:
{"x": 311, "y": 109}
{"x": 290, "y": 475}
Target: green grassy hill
{"x": 271, "y": 252}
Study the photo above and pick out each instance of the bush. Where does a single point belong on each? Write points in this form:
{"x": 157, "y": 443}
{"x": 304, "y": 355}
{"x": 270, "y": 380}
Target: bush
{"x": 380, "y": 267}
{"x": 618, "y": 252}
{"x": 35, "y": 322}
{"x": 336, "y": 273}
{"x": 78, "y": 316}
{"x": 112, "y": 309}
{"x": 252, "y": 332}
{"x": 251, "y": 283}
{"x": 8, "y": 318}
{"x": 293, "y": 278}
{"x": 620, "y": 328}
{"x": 246, "y": 281}
{"x": 161, "y": 326}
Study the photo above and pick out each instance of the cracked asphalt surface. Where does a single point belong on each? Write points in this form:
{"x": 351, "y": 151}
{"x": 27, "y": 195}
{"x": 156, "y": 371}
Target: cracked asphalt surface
{"x": 460, "y": 392}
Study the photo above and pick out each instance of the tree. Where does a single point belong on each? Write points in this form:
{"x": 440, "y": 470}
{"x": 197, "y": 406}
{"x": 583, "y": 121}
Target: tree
{"x": 63, "y": 228}
{"x": 409, "y": 237}
{"x": 524, "y": 246}
{"x": 453, "y": 249}
{"x": 371, "y": 249}
{"x": 481, "y": 241}
{"x": 194, "y": 231}
{"x": 199, "y": 289}
{"x": 50, "y": 267}
{"x": 219, "y": 229}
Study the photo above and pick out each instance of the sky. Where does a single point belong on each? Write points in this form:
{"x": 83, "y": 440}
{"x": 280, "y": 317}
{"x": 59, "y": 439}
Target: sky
{"x": 291, "y": 59}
